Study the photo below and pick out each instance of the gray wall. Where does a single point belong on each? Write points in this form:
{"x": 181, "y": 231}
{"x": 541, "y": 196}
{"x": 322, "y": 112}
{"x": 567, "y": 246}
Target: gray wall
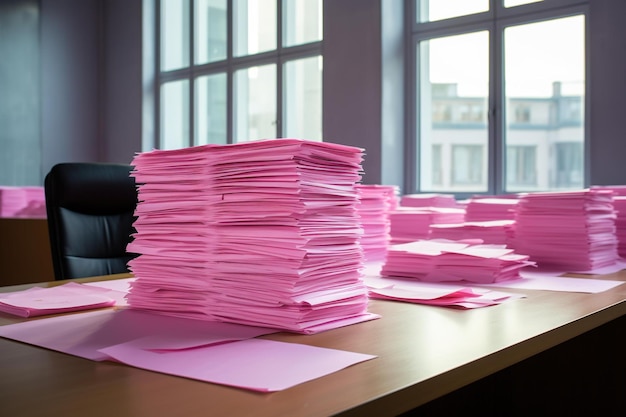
{"x": 608, "y": 92}
{"x": 71, "y": 75}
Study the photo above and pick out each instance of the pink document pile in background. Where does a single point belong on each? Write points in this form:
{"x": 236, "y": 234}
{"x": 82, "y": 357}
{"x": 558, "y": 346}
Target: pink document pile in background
{"x": 428, "y": 200}
{"x": 491, "y": 232}
{"x": 263, "y": 233}
{"x": 22, "y": 201}
{"x": 374, "y": 207}
{"x": 439, "y": 260}
{"x": 490, "y": 208}
{"x": 573, "y": 230}
{"x": 413, "y": 223}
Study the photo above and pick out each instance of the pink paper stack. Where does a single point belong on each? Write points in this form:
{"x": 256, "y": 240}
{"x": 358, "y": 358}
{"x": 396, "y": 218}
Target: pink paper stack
{"x": 490, "y": 208}
{"x": 491, "y": 232}
{"x": 574, "y": 230}
{"x": 619, "y": 203}
{"x": 428, "y": 200}
{"x": 412, "y": 223}
{"x": 28, "y": 201}
{"x": 262, "y": 233}
{"x": 375, "y": 204}
{"x": 440, "y": 260}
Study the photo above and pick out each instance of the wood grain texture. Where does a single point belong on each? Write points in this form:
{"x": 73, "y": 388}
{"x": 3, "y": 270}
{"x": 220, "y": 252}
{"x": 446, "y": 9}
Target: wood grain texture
{"x": 424, "y": 353}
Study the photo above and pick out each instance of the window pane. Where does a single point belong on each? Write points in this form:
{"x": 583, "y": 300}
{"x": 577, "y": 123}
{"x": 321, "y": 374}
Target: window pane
{"x": 211, "y": 109}
{"x": 211, "y": 30}
{"x": 545, "y": 86}
{"x": 175, "y": 115}
{"x": 174, "y": 34}
{"x": 302, "y": 21}
{"x": 431, "y": 10}
{"x": 467, "y": 165}
{"x": 303, "y": 98}
{"x": 255, "y": 103}
{"x": 512, "y": 3}
{"x": 254, "y": 26}
{"x": 454, "y": 94}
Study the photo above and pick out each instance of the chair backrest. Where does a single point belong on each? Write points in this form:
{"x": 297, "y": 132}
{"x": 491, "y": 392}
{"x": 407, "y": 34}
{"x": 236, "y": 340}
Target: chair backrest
{"x": 90, "y": 208}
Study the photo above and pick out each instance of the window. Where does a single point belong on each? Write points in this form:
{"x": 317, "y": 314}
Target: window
{"x": 465, "y": 170}
{"x": 238, "y": 70}
{"x": 521, "y": 167}
{"x": 511, "y": 75}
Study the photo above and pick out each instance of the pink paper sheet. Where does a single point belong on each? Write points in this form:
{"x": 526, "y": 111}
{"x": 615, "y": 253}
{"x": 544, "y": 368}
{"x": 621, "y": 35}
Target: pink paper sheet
{"x": 260, "y": 365}
{"x": 39, "y": 301}
{"x": 215, "y": 352}
{"x": 86, "y": 333}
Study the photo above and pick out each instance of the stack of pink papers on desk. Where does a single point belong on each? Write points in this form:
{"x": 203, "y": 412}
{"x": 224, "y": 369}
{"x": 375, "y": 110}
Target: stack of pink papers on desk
{"x": 573, "y": 230}
{"x": 490, "y": 232}
{"x": 39, "y": 301}
{"x": 428, "y": 200}
{"x": 412, "y": 223}
{"x": 486, "y": 209}
{"x": 27, "y": 201}
{"x": 619, "y": 202}
{"x": 374, "y": 206}
{"x": 439, "y": 260}
{"x": 262, "y": 233}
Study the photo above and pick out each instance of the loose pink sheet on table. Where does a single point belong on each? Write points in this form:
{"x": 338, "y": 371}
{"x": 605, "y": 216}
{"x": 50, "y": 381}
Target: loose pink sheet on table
{"x": 38, "y": 301}
{"x": 255, "y": 364}
{"x": 183, "y": 347}
{"x": 438, "y": 294}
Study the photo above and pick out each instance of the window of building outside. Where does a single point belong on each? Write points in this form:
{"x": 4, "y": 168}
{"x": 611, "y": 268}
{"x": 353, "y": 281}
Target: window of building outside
{"x": 238, "y": 70}
{"x": 511, "y": 74}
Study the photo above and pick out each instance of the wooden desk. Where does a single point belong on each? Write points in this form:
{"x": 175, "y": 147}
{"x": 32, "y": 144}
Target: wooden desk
{"x": 492, "y": 354}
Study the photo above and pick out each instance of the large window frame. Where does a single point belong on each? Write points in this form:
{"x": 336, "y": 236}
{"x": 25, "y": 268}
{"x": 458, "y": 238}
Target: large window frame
{"x": 229, "y": 66}
{"x": 494, "y": 21}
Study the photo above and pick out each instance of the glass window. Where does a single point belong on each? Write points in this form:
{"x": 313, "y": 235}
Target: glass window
{"x": 242, "y": 84}
{"x": 433, "y": 10}
{"x": 548, "y": 89}
{"x": 211, "y": 31}
{"x": 513, "y": 3}
{"x": 175, "y": 114}
{"x": 303, "y": 98}
{"x": 454, "y": 74}
{"x": 255, "y": 26}
{"x": 467, "y": 167}
{"x": 521, "y": 167}
{"x": 510, "y": 82}
{"x": 211, "y": 125}
{"x": 255, "y": 101}
{"x": 302, "y": 21}
{"x": 174, "y": 34}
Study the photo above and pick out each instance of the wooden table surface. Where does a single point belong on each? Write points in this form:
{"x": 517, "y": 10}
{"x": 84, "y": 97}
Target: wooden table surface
{"x": 423, "y": 352}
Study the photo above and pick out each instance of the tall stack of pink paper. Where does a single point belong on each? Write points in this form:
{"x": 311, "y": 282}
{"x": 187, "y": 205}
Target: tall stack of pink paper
{"x": 492, "y": 232}
{"x": 262, "y": 233}
{"x": 428, "y": 200}
{"x": 490, "y": 208}
{"x": 440, "y": 260}
{"x": 619, "y": 203}
{"x": 568, "y": 229}
{"x": 413, "y": 223}
{"x": 374, "y": 207}
{"x": 18, "y": 201}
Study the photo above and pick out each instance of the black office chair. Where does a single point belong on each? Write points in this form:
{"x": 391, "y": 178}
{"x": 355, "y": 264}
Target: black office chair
{"x": 90, "y": 208}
